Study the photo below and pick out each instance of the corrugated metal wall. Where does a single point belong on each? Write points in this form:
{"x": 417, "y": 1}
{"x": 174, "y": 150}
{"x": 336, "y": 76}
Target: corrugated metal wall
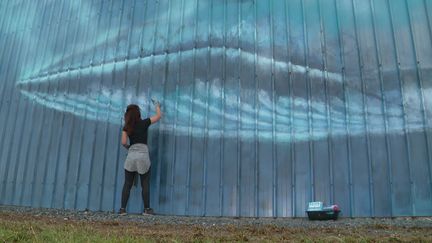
{"x": 267, "y": 104}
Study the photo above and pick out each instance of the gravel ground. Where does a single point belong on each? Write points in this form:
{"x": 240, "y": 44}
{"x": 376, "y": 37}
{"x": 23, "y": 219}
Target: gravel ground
{"x": 89, "y": 216}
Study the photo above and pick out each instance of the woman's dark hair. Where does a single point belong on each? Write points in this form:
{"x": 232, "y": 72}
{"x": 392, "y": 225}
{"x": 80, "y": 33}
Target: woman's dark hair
{"x": 131, "y": 116}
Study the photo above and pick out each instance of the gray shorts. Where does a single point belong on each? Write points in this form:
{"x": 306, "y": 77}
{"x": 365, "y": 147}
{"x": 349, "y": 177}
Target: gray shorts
{"x": 138, "y": 159}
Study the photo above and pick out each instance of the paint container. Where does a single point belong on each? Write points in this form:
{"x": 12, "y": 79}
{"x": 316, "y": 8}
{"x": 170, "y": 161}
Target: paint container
{"x": 317, "y": 211}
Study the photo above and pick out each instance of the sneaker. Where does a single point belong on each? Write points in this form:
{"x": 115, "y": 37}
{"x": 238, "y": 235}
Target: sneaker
{"x": 122, "y": 211}
{"x": 148, "y": 211}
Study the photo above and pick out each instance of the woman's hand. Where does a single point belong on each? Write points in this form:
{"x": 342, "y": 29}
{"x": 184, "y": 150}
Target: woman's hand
{"x": 158, "y": 115}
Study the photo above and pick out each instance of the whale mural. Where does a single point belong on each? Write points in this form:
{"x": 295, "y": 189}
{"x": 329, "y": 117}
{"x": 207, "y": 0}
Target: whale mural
{"x": 277, "y": 94}
{"x": 189, "y": 104}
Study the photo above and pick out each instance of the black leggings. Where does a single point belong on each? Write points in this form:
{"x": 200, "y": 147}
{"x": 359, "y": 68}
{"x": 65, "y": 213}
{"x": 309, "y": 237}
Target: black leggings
{"x": 129, "y": 179}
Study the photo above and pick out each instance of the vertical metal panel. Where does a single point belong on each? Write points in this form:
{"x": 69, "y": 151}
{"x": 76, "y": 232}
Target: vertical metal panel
{"x": 230, "y": 157}
{"x": 160, "y": 180}
{"x": 384, "y": 188}
{"x": 49, "y": 163}
{"x": 6, "y": 43}
{"x": 291, "y": 105}
{"x": 9, "y": 177}
{"x": 21, "y": 135}
{"x": 238, "y": 115}
{"x": 205, "y": 151}
{"x": 403, "y": 171}
{"x": 3, "y": 39}
{"x": 363, "y": 67}
{"x": 13, "y": 100}
{"x": 267, "y": 104}
{"x": 273, "y": 174}
{"x": 33, "y": 194}
{"x": 327, "y": 168}
{"x": 345, "y": 98}
{"x": 5, "y": 71}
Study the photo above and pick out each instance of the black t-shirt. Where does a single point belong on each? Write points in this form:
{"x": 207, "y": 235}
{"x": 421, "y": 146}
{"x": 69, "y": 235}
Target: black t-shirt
{"x": 139, "y": 134}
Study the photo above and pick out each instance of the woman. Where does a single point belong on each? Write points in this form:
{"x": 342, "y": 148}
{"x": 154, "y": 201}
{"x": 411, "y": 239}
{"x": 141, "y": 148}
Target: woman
{"x": 137, "y": 160}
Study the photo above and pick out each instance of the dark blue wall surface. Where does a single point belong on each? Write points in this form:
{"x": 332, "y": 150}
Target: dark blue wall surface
{"x": 267, "y": 104}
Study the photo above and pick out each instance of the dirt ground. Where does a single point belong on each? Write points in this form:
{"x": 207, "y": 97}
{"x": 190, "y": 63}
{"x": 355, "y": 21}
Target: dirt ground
{"x": 197, "y": 229}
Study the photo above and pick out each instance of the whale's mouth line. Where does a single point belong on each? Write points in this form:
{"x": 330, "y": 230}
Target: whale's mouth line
{"x": 229, "y": 52}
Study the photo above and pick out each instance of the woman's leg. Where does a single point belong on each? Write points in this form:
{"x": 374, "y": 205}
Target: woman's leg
{"x": 129, "y": 178}
{"x": 145, "y": 183}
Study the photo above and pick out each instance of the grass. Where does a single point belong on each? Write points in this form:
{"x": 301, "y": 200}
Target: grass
{"x": 37, "y": 232}
{"x": 30, "y": 228}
